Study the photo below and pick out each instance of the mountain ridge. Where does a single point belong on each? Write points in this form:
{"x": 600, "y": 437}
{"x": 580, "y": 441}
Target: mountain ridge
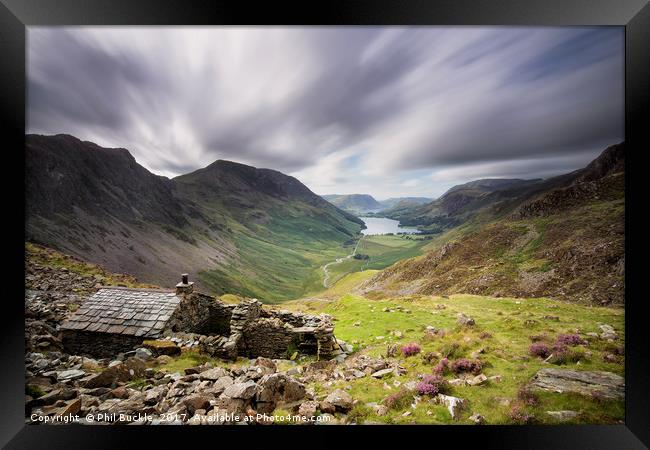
{"x": 101, "y": 205}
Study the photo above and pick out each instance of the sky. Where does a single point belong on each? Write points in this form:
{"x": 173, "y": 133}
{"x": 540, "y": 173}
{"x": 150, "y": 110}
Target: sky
{"x": 386, "y": 111}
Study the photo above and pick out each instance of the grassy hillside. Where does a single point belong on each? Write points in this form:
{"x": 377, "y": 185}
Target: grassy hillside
{"x": 504, "y": 331}
{"x": 571, "y": 246}
{"x": 280, "y": 242}
{"x": 234, "y": 228}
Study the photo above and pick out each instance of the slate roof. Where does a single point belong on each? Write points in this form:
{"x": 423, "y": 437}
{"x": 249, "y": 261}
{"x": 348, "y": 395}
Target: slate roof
{"x": 134, "y": 312}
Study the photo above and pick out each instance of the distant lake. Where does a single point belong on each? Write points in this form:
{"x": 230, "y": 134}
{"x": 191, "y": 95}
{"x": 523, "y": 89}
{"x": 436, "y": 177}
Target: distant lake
{"x": 381, "y": 225}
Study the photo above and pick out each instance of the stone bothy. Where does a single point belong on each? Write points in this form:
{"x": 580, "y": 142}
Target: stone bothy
{"x": 116, "y": 320}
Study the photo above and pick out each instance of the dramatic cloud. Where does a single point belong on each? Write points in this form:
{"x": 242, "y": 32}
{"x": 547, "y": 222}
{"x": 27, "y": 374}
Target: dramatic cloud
{"x": 388, "y": 111}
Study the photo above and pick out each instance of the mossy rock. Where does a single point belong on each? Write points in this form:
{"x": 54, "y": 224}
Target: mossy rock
{"x": 159, "y": 347}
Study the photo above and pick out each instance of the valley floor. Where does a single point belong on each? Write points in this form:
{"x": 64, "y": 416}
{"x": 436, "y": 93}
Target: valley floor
{"x": 381, "y": 251}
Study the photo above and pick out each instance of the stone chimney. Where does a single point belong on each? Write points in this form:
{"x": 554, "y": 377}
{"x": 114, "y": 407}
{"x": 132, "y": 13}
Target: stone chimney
{"x": 184, "y": 287}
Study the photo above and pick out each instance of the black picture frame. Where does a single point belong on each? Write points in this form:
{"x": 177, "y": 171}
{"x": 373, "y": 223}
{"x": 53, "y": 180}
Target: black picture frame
{"x": 15, "y": 15}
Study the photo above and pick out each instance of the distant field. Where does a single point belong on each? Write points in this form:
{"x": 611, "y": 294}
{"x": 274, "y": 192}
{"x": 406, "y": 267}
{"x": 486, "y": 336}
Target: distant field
{"x": 382, "y": 250}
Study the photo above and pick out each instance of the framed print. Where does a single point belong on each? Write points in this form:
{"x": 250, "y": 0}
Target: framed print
{"x": 379, "y": 219}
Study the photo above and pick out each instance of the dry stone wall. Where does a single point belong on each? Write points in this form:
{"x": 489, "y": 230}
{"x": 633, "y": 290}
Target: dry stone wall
{"x": 102, "y": 345}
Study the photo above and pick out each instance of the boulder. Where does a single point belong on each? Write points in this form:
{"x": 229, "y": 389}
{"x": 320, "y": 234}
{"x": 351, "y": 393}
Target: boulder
{"x": 196, "y": 402}
{"x": 119, "y": 392}
{"x": 72, "y": 407}
{"x": 267, "y": 363}
{"x": 477, "y": 380}
{"x": 477, "y": 419}
{"x": 155, "y": 395}
{"x": 143, "y": 353}
{"x": 326, "y": 408}
{"x": 127, "y": 370}
{"x": 164, "y": 359}
{"x": 308, "y": 408}
{"x": 213, "y": 374}
{"x": 464, "y": 320}
{"x": 454, "y": 404}
{"x": 608, "y": 332}
{"x": 382, "y": 373}
{"x": 589, "y": 383}
{"x": 563, "y": 415}
{"x": 243, "y": 391}
{"x": 340, "y": 400}
{"x": 276, "y": 389}
{"x": 380, "y": 410}
{"x": 54, "y": 396}
{"x": 73, "y": 374}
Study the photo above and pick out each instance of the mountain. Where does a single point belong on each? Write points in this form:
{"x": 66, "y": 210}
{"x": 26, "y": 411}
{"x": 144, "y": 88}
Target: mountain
{"x": 562, "y": 238}
{"x": 354, "y": 203}
{"x": 239, "y": 229}
{"x": 489, "y": 185}
{"x": 485, "y": 198}
{"x": 396, "y": 201}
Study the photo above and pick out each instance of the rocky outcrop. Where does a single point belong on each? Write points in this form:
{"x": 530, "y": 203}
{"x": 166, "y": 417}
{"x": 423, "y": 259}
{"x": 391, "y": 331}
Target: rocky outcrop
{"x": 589, "y": 383}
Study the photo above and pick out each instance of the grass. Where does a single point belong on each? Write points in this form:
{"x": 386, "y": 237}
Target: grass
{"x": 192, "y": 358}
{"x": 382, "y": 251}
{"x": 36, "y": 254}
{"x": 504, "y": 351}
{"x": 280, "y": 261}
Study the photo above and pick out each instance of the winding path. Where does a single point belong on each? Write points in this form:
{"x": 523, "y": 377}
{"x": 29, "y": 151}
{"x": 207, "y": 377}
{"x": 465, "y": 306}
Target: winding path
{"x": 338, "y": 261}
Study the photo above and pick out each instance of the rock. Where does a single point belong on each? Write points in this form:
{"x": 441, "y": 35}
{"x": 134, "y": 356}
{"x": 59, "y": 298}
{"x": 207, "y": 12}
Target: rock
{"x": 464, "y": 320}
{"x": 213, "y": 374}
{"x": 382, "y": 373}
{"x": 196, "y": 402}
{"x": 220, "y": 385}
{"x": 278, "y": 389}
{"x": 143, "y": 353}
{"x": 608, "y": 332}
{"x": 326, "y": 408}
{"x": 398, "y": 334}
{"x": 495, "y": 378}
{"x": 380, "y": 410}
{"x": 155, "y": 395}
{"x": 164, "y": 359}
{"x": 563, "y": 415}
{"x": 588, "y": 383}
{"x": 341, "y": 400}
{"x": 243, "y": 391}
{"x": 477, "y": 380}
{"x": 457, "y": 382}
{"x": 308, "y": 408}
{"x": 71, "y": 408}
{"x": 193, "y": 370}
{"x": 54, "y": 396}
{"x": 454, "y": 404}
{"x": 267, "y": 363}
{"x": 119, "y": 392}
{"x": 477, "y": 419}
{"x": 65, "y": 375}
{"x": 128, "y": 370}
